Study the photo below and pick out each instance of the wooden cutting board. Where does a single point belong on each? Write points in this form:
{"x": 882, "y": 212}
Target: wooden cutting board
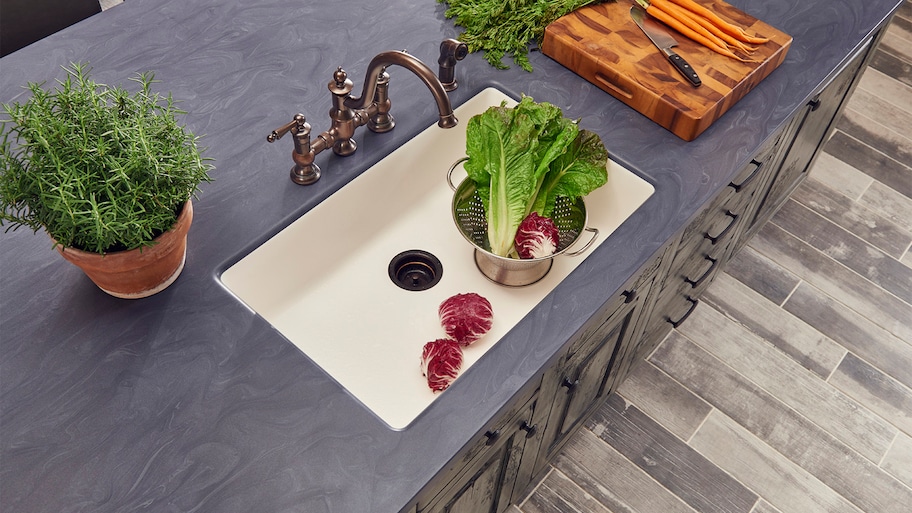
{"x": 602, "y": 44}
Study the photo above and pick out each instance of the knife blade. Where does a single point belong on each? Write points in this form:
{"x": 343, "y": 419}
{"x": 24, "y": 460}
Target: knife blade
{"x": 663, "y": 41}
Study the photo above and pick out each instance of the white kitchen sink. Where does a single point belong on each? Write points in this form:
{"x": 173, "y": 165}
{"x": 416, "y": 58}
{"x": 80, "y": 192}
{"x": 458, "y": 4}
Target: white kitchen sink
{"x": 323, "y": 281}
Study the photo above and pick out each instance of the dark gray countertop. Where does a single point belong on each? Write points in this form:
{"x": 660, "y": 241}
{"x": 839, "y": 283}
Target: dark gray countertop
{"x": 187, "y": 401}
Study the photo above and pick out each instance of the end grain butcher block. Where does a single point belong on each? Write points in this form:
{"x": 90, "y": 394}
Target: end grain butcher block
{"x": 602, "y": 44}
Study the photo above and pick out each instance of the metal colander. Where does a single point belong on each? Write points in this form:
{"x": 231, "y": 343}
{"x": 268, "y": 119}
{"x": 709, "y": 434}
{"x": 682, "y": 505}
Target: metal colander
{"x": 469, "y": 215}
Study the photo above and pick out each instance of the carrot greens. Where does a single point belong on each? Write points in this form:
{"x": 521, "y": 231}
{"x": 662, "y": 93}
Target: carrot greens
{"x": 507, "y": 27}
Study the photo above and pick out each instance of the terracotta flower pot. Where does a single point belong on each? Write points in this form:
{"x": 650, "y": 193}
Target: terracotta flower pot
{"x": 140, "y": 272}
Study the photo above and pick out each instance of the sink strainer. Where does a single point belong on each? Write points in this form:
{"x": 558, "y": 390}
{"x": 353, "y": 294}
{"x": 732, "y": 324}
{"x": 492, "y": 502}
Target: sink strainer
{"x": 415, "y": 270}
{"x": 469, "y": 214}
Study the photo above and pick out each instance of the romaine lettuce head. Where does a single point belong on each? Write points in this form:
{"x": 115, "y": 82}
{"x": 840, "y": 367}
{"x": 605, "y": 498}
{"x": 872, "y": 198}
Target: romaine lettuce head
{"x": 521, "y": 158}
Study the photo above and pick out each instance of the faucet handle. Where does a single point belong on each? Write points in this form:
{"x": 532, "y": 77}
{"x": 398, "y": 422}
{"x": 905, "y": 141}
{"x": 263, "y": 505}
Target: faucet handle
{"x": 451, "y": 51}
{"x": 296, "y": 125}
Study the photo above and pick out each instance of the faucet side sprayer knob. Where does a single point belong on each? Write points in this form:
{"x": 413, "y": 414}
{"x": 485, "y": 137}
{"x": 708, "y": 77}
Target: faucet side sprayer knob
{"x": 451, "y": 51}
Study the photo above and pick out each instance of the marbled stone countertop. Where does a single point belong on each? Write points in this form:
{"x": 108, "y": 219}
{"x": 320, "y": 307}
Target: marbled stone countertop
{"x": 187, "y": 401}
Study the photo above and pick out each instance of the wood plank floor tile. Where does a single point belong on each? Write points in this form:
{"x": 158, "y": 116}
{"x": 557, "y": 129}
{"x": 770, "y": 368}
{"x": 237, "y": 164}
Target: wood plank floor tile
{"x": 668, "y": 460}
{"x": 800, "y": 440}
{"x": 864, "y": 158}
{"x": 904, "y": 11}
{"x": 889, "y": 203}
{"x": 857, "y": 219}
{"x": 558, "y": 493}
{"x": 856, "y": 333}
{"x": 887, "y": 88}
{"x": 806, "y": 393}
{"x": 767, "y": 278}
{"x": 615, "y": 481}
{"x": 892, "y": 65}
{"x": 879, "y": 123}
{"x": 784, "y": 484}
{"x": 846, "y": 248}
{"x": 839, "y": 176}
{"x": 674, "y": 407}
{"x": 878, "y": 392}
{"x": 898, "y": 35}
{"x": 898, "y": 461}
{"x": 834, "y": 279}
{"x": 795, "y": 338}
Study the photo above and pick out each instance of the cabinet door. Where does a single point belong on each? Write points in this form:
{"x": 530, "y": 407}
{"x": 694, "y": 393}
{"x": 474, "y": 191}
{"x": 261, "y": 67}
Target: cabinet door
{"x": 587, "y": 376}
{"x": 486, "y": 484}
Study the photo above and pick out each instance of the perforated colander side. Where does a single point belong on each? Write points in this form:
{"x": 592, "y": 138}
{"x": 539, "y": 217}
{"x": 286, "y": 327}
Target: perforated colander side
{"x": 470, "y": 217}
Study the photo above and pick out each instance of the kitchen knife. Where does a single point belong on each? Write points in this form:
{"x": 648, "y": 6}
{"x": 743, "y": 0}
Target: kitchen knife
{"x": 663, "y": 40}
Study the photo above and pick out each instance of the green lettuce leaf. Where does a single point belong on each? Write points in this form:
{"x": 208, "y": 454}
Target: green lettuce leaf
{"x": 579, "y": 171}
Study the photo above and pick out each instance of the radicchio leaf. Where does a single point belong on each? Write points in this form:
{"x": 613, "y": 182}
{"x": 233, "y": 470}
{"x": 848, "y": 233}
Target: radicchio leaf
{"x": 537, "y": 237}
{"x": 441, "y": 360}
{"x": 466, "y": 317}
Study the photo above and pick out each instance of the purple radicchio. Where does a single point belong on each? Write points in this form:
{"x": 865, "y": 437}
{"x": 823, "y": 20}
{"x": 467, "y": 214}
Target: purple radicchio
{"x": 441, "y": 360}
{"x": 466, "y": 317}
{"x": 537, "y": 237}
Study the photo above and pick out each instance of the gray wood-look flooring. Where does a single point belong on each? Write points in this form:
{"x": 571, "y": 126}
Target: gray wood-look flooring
{"x": 790, "y": 387}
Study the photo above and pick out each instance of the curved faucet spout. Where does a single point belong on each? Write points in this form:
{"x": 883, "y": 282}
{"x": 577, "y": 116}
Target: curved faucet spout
{"x": 384, "y": 59}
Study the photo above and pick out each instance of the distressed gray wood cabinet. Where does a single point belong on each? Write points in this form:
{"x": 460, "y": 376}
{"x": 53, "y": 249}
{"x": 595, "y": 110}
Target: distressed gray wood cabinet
{"x": 515, "y": 450}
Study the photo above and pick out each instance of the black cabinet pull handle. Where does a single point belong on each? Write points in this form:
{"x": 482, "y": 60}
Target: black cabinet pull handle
{"x": 492, "y": 436}
{"x": 696, "y": 283}
{"x": 530, "y": 430}
{"x": 749, "y": 179}
{"x": 569, "y": 385}
{"x": 731, "y": 224}
{"x": 693, "y": 305}
{"x": 629, "y": 296}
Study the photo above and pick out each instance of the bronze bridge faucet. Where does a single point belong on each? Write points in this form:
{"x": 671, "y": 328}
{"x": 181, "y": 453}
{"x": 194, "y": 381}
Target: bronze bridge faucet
{"x": 372, "y": 108}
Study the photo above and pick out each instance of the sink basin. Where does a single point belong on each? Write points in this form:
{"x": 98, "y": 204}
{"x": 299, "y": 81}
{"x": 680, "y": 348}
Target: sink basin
{"x": 323, "y": 281}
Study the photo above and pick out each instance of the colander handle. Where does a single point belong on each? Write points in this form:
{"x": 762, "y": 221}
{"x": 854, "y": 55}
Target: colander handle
{"x": 450, "y": 172}
{"x": 582, "y": 250}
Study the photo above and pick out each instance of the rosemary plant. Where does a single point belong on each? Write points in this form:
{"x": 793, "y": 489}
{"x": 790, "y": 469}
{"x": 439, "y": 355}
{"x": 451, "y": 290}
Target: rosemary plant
{"x": 100, "y": 168}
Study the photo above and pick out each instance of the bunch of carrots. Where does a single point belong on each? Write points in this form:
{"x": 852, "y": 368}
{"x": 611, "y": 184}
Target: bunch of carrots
{"x": 704, "y": 26}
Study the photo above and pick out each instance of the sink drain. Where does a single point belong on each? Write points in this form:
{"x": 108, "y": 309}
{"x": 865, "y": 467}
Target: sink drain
{"x": 415, "y": 270}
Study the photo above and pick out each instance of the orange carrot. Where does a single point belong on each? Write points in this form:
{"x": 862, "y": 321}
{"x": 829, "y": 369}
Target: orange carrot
{"x": 672, "y": 22}
{"x": 674, "y": 11}
{"x": 680, "y": 12}
{"x": 732, "y": 29}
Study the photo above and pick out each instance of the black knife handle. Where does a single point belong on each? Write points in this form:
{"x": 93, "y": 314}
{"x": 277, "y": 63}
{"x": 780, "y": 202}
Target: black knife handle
{"x": 686, "y": 69}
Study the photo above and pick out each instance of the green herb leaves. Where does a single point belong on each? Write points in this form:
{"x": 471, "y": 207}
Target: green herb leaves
{"x": 501, "y": 27}
{"x": 100, "y": 168}
{"x": 522, "y": 158}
